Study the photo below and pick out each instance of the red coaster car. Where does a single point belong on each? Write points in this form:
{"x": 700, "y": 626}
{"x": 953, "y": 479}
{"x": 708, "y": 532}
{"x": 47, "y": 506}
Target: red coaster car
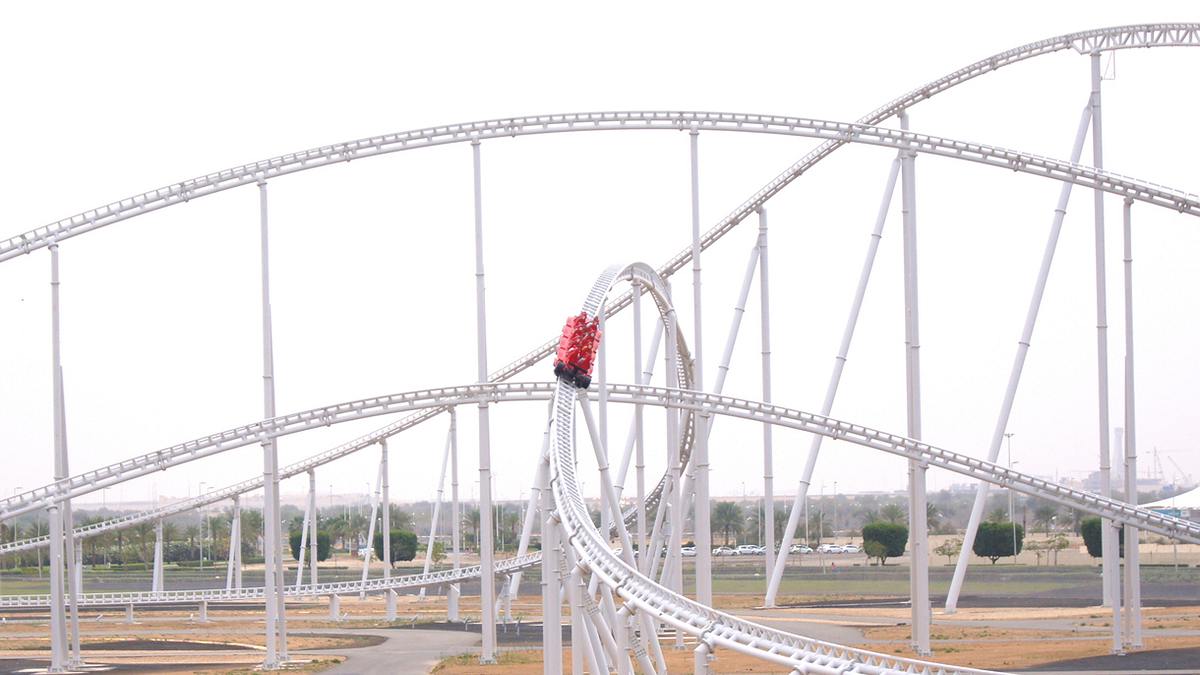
{"x": 577, "y": 350}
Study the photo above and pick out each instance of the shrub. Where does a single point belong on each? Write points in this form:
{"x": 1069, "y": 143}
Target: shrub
{"x": 1090, "y": 528}
{"x": 892, "y": 536}
{"x": 323, "y": 546}
{"x": 995, "y": 540}
{"x": 403, "y": 545}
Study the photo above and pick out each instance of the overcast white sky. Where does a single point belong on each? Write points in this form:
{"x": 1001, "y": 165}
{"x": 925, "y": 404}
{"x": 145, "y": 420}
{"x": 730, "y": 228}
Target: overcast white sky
{"x": 373, "y": 263}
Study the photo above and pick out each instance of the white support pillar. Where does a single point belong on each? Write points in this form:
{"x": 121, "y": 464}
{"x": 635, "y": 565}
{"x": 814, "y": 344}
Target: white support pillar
{"x": 1133, "y": 574}
{"x": 1018, "y": 365}
{"x": 487, "y": 586}
{"x": 700, "y": 519}
{"x": 58, "y": 620}
{"x": 129, "y": 613}
{"x": 303, "y": 546}
{"x": 156, "y": 581}
{"x": 452, "y": 593}
{"x": 1111, "y": 558}
{"x": 276, "y": 622}
{"x": 835, "y": 378}
{"x": 313, "y": 542}
{"x": 335, "y": 608}
{"x": 540, "y": 477}
{"x": 391, "y": 605}
{"x": 700, "y": 657}
{"x": 437, "y": 511}
{"x": 551, "y": 581}
{"x": 639, "y": 439}
{"x": 768, "y": 451}
{"x": 602, "y": 395}
{"x": 386, "y": 506}
{"x": 673, "y": 440}
{"x": 366, "y": 568}
{"x": 72, "y": 549}
{"x": 919, "y": 535}
{"x": 235, "y": 540}
{"x": 203, "y": 611}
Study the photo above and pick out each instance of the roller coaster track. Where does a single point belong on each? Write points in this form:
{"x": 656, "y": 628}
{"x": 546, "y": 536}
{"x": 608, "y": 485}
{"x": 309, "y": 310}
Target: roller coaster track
{"x": 695, "y": 402}
{"x": 712, "y": 627}
{"x": 439, "y": 578}
{"x": 1103, "y": 39}
{"x": 1120, "y": 37}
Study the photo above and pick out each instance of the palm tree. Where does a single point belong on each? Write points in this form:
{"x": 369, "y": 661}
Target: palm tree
{"x": 726, "y": 517}
{"x": 471, "y": 521}
{"x": 933, "y": 516}
{"x": 1043, "y": 515}
{"x": 892, "y": 513}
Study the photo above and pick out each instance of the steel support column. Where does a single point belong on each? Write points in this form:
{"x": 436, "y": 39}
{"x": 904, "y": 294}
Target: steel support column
{"x": 276, "y": 622}
{"x": 303, "y": 546}
{"x": 1018, "y": 365}
{"x": 156, "y": 581}
{"x": 486, "y": 554}
{"x": 452, "y": 592}
{"x": 58, "y": 621}
{"x": 768, "y": 520}
{"x": 835, "y": 378}
{"x": 1111, "y": 565}
{"x": 371, "y": 523}
{"x": 1133, "y": 575}
{"x": 919, "y": 535}
{"x": 233, "y": 565}
{"x": 313, "y": 543}
{"x": 437, "y": 512}
{"x": 551, "y": 581}
{"x": 702, "y": 533}
{"x": 386, "y": 507}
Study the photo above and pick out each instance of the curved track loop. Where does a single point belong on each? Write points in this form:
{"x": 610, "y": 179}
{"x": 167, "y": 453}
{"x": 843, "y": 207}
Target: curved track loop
{"x": 715, "y": 628}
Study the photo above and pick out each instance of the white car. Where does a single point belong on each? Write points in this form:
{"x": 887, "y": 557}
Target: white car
{"x": 723, "y": 550}
{"x": 851, "y": 548}
{"x": 748, "y": 549}
{"x": 829, "y": 548}
{"x": 688, "y": 551}
{"x": 799, "y": 548}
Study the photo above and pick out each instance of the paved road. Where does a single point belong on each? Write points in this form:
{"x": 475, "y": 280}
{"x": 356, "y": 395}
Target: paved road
{"x": 406, "y": 651}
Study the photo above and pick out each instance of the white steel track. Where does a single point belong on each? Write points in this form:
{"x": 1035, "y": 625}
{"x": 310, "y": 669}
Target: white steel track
{"x": 696, "y": 402}
{"x": 439, "y": 578}
{"x": 713, "y": 628}
{"x": 1117, "y": 37}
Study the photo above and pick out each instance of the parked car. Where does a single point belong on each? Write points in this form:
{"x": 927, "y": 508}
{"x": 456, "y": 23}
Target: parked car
{"x": 688, "y": 551}
{"x": 723, "y": 550}
{"x": 748, "y": 549}
{"x": 851, "y": 548}
{"x": 799, "y": 548}
{"x": 829, "y": 548}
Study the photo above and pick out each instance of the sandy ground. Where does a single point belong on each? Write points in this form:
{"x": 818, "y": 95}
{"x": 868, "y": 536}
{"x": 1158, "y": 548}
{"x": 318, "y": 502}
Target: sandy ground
{"x": 995, "y": 638}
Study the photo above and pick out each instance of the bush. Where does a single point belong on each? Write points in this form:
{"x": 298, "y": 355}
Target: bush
{"x": 1090, "y": 528}
{"x": 995, "y": 540}
{"x": 323, "y": 546}
{"x": 892, "y": 536}
{"x": 403, "y": 545}
{"x": 875, "y": 550}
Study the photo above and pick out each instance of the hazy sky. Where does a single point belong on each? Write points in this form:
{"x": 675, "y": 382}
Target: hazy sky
{"x": 372, "y": 262}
